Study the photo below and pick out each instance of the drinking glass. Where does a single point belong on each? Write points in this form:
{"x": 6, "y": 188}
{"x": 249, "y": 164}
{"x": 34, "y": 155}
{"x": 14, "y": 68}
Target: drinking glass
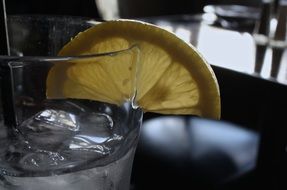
{"x": 67, "y": 143}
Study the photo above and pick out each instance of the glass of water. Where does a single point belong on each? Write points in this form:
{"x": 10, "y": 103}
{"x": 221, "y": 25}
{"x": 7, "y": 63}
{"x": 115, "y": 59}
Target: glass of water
{"x": 60, "y": 143}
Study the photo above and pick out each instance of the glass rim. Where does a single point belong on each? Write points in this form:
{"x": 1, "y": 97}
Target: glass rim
{"x": 56, "y": 58}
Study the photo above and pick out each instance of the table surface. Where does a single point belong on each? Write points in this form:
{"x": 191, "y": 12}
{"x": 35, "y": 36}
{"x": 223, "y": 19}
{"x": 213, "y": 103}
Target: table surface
{"x": 176, "y": 152}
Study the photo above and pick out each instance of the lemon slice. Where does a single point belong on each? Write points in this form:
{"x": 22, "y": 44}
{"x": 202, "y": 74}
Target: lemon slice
{"x": 173, "y": 77}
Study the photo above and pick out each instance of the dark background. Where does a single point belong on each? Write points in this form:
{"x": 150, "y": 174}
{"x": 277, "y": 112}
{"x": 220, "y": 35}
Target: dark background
{"x": 86, "y": 8}
{"x": 128, "y": 8}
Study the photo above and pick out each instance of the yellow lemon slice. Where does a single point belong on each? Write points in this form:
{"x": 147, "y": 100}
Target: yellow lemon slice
{"x": 173, "y": 77}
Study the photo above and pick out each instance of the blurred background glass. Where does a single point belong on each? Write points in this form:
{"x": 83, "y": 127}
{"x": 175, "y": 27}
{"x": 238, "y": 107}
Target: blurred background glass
{"x": 109, "y": 9}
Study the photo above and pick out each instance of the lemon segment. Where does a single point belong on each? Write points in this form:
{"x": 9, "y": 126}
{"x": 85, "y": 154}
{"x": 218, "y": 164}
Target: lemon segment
{"x": 107, "y": 78}
{"x": 169, "y": 75}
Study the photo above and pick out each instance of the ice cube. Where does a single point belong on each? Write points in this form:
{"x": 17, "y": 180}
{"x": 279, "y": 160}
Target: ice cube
{"x": 86, "y": 145}
{"x": 41, "y": 160}
{"x": 49, "y": 128}
{"x": 96, "y": 129}
{"x": 97, "y": 126}
{"x": 57, "y": 120}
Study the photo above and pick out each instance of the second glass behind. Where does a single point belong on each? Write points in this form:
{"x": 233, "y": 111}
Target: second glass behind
{"x": 60, "y": 143}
